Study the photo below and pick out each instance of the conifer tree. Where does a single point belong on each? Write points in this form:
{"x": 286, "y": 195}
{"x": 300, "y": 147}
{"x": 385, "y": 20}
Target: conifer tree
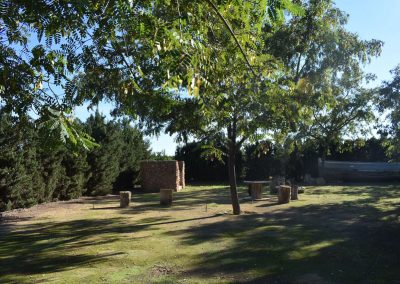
{"x": 20, "y": 182}
{"x": 103, "y": 161}
{"x": 134, "y": 150}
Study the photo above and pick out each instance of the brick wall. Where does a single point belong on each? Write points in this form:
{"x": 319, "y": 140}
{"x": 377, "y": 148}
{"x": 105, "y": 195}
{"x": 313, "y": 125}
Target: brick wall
{"x": 162, "y": 174}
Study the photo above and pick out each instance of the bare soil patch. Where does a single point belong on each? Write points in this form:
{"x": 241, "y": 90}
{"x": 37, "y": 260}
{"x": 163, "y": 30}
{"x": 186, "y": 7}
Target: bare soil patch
{"x": 58, "y": 208}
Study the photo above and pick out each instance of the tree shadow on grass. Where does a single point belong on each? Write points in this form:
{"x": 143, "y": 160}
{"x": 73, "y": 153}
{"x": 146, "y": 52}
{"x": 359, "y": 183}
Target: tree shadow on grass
{"x": 39, "y": 263}
{"x": 376, "y": 191}
{"x": 44, "y": 248}
{"x": 183, "y": 200}
{"x": 348, "y": 242}
{"x": 142, "y": 202}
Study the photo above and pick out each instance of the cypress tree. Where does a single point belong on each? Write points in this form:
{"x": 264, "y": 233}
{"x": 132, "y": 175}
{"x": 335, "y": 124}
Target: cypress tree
{"x": 134, "y": 149}
{"x": 74, "y": 178}
{"x": 21, "y": 184}
{"x": 32, "y": 170}
{"x": 104, "y": 160}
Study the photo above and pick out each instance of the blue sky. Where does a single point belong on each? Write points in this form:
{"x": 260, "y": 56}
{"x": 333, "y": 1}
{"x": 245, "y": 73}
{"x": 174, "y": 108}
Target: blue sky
{"x": 370, "y": 19}
{"x": 378, "y": 20}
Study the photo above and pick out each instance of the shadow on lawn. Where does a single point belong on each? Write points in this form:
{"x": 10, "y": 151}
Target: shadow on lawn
{"x": 346, "y": 242}
{"x": 376, "y": 191}
{"x": 143, "y": 201}
{"x": 183, "y": 200}
{"x": 39, "y": 248}
{"x": 45, "y": 247}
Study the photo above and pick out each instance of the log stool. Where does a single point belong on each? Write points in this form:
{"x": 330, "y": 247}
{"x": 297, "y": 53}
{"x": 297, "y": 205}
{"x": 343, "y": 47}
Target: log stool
{"x": 166, "y": 197}
{"x": 284, "y": 194}
{"x": 255, "y": 188}
{"x": 256, "y": 191}
{"x": 294, "y": 193}
{"x": 124, "y": 198}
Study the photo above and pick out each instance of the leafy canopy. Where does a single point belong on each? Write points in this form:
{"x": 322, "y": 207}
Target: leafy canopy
{"x": 58, "y": 54}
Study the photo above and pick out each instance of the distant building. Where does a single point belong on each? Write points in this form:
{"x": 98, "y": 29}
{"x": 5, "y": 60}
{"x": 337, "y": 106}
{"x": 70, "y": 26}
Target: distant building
{"x": 333, "y": 171}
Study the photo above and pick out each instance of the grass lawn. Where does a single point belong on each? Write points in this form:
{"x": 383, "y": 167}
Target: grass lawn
{"x": 333, "y": 234}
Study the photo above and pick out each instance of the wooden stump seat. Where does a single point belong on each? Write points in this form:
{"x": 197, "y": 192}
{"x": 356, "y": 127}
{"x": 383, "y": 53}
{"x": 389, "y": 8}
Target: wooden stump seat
{"x": 256, "y": 191}
{"x": 284, "y": 194}
{"x": 255, "y": 188}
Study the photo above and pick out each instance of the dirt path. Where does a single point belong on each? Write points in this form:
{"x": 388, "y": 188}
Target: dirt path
{"x": 54, "y": 209}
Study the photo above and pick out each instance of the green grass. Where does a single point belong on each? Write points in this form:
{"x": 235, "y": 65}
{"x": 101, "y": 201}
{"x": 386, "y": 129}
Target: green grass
{"x": 333, "y": 234}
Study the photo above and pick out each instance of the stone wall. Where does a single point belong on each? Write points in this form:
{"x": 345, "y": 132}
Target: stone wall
{"x": 155, "y": 175}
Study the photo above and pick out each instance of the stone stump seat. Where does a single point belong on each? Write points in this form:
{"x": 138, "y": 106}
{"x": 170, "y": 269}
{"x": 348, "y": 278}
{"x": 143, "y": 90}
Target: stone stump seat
{"x": 124, "y": 199}
{"x": 275, "y": 183}
{"x": 294, "y": 192}
{"x": 166, "y": 196}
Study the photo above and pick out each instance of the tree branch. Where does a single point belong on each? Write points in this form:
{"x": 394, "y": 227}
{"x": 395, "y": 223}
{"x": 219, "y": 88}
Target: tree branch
{"x": 240, "y": 143}
{"x": 232, "y": 33}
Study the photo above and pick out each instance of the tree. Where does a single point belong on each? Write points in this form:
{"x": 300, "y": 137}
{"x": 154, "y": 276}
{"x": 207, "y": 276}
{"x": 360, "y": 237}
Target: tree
{"x": 389, "y": 104}
{"x": 317, "y": 42}
{"x": 104, "y": 161}
{"x": 31, "y": 172}
{"x": 113, "y": 166}
{"x": 72, "y": 182}
{"x": 325, "y": 61}
{"x": 201, "y": 165}
{"x": 21, "y": 183}
{"x": 134, "y": 150}
{"x": 261, "y": 161}
{"x": 343, "y": 110}
{"x": 139, "y": 48}
{"x": 30, "y": 71}
{"x": 233, "y": 106}
{"x": 139, "y": 55}
{"x": 242, "y": 115}
{"x": 146, "y": 72}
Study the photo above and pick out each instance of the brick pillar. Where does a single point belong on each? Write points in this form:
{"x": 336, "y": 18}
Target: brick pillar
{"x": 177, "y": 186}
{"x": 161, "y": 174}
{"x": 182, "y": 173}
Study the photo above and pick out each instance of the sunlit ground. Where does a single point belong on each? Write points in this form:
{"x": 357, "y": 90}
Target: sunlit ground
{"x": 333, "y": 234}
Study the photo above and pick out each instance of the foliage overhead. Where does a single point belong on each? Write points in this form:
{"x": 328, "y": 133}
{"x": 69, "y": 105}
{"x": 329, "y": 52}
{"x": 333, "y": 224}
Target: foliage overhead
{"x": 58, "y": 54}
{"x": 389, "y": 104}
{"x": 325, "y": 62}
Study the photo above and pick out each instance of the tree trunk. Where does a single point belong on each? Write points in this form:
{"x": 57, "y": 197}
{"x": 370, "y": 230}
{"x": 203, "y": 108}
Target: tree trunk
{"x": 232, "y": 179}
{"x": 324, "y": 154}
{"x": 231, "y": 165}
